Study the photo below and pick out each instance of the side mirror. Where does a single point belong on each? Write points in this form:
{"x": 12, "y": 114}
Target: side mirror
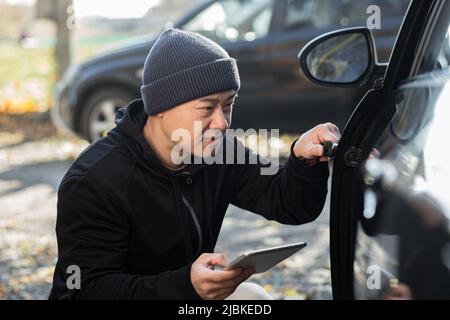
{"x": 339, "y": 58}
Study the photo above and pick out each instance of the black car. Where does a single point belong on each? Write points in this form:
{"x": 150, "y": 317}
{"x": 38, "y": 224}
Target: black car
{"x": 264, "y": 36}
{"x": 390, "y": 201}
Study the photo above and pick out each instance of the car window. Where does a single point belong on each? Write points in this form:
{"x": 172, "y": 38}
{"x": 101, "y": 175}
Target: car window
{"x": 416, "y": 138}
{"x": 443, "y": 60}
{"x": 233, "y": 20}
{"x": 338, "y": 13}
{"x": 328, "y": 15}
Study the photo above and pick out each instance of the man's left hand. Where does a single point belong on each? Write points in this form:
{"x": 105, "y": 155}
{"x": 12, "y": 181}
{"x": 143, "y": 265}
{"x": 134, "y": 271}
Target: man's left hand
{"x": 309, "y": 145}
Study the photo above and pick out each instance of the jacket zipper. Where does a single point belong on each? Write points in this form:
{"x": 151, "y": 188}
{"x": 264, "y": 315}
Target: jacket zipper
{"x": 197, "y": 224}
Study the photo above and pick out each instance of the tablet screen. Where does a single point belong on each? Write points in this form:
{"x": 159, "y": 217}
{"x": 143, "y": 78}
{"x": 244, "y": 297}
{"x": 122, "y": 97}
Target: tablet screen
{"x": 265, "y": 259}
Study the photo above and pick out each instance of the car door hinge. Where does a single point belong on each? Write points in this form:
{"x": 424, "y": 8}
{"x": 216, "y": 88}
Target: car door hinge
{"x": 353, "y": 157}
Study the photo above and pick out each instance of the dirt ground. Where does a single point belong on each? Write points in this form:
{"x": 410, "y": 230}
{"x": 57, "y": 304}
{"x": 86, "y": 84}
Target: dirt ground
{"x": 33, "y": 159}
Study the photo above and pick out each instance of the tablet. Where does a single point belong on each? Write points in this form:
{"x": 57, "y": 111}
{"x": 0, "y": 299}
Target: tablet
{"x": 263, "y": 260}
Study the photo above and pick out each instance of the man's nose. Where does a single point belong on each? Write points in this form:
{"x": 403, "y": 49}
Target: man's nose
{"x": 219, "y": 120}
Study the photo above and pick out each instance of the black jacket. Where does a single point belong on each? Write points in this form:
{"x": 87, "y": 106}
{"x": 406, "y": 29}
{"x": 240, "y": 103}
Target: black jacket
{"x": 134, "y": 227}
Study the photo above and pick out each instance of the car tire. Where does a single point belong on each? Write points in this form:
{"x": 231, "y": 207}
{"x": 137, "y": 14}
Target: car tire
{"x": 98, "y": 113}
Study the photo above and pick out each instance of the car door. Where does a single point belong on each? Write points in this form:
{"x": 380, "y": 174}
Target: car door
{"x": 402, "y": 243}
{"x": 244, "y": 29}
{"x": 386, "y": 239}
{"x": 299, "y": 100}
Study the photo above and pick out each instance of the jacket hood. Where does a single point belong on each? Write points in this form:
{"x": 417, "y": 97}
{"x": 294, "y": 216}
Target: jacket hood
{"x": 130, "y": 122}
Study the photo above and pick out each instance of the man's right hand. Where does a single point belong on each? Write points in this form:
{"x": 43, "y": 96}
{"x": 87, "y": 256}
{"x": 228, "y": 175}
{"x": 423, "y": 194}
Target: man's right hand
{"x": 216, "y": 284}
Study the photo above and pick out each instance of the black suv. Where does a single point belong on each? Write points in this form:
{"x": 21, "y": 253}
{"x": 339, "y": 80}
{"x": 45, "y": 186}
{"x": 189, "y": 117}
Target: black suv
{"x": 264, "y": 36}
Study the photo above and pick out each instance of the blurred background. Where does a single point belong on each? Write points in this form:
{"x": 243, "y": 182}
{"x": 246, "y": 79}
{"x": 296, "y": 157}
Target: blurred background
{"x": 67, "y": 66}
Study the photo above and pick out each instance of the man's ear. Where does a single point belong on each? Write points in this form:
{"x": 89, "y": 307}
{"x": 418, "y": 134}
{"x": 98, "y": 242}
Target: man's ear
{"x": 160, "y": 115}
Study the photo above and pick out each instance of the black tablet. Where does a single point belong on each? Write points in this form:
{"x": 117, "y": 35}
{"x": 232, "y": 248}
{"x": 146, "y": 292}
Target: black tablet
{"x": 264, "y": 259}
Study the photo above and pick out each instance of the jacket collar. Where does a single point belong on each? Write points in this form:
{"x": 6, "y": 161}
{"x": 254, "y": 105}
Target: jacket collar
{"x": 130, "y": 122}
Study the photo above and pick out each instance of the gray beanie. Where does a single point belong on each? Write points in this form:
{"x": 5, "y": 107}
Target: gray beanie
{"x": 184, "y": 66}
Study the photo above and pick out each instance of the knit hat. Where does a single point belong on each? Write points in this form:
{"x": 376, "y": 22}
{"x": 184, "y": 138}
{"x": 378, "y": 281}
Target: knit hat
{"x": 184, "y": 66}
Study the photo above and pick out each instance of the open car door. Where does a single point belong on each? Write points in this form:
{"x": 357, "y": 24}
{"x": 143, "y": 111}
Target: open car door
{"x": 379, "y": 223}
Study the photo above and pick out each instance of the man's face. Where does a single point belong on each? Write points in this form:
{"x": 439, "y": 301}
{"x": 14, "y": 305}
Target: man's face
{"x": 204, "y": 118}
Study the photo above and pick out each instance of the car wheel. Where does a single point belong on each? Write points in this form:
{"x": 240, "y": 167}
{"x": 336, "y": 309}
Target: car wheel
{"x": 99, "y": 112}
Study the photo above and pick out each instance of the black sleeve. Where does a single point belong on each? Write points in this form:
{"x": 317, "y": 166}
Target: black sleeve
{"x": 294, "y": 195}
{"x": 92, "y": 233}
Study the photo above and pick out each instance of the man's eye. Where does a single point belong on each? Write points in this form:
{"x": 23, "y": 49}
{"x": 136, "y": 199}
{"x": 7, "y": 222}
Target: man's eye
{"x": 208, "y": 108}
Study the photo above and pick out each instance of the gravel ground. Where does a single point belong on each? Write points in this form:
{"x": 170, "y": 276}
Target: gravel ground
{"x": 33, "y": 160}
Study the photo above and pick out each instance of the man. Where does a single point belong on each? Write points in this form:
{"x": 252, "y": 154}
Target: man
{"x": 137, "y": 224}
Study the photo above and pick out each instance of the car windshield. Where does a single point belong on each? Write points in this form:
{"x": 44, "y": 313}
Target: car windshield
{"x": 232, "y": 20}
